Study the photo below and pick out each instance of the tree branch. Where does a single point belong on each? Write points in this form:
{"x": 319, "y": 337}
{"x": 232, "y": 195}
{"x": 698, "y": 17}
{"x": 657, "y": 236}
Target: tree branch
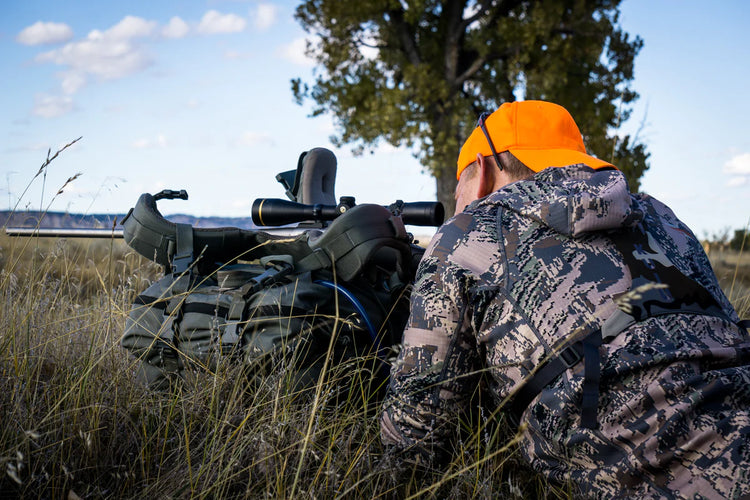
{"x": 405, "y": 35}
{"x": 471, "y": 70}
{"x": 452, "y": 13}
{"x": 486, "y": 8}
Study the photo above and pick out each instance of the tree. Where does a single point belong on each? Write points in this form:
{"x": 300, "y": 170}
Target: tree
{"x": 418, "y": 73}
{"x": 739, "y": 241}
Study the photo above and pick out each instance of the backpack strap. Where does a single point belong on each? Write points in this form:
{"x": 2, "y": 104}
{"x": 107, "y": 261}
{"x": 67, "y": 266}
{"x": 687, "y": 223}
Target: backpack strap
{"x": 591, "y": 376}
{"x": 566, "y": 358}
{"x": 182, "y": 257}
{"x": 167, "y": 338}
{"x": 277, "y": 267}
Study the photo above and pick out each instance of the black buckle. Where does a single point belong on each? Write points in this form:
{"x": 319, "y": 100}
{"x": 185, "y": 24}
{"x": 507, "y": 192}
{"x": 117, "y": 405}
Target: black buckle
{"x": 275, "y": 271}
{"x": 570, "y": 355}
{"x": 181, "y": 263}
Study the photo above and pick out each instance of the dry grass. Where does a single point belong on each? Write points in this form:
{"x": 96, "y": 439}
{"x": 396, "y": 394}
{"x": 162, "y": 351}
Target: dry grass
{"x": 75, "y": 423}
{"x": 733, "y": 270}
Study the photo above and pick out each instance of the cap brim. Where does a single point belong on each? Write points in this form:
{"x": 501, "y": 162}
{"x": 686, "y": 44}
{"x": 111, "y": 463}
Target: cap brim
{"x": 539, "y": 159}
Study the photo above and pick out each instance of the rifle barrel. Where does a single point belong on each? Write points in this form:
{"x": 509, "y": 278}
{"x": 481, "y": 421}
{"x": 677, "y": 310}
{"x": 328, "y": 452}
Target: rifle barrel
{"x": 63, "y": 233}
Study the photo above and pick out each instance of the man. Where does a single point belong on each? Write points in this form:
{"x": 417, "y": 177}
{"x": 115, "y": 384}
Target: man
{"x": 591, "y": 314}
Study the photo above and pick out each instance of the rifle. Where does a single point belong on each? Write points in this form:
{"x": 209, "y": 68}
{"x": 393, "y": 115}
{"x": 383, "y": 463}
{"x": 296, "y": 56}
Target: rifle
{"x": 312, "y": 205}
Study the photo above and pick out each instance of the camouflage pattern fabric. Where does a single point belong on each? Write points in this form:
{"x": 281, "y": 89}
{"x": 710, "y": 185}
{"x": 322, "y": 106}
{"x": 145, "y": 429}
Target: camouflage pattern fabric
{"x": 529, "y": 268}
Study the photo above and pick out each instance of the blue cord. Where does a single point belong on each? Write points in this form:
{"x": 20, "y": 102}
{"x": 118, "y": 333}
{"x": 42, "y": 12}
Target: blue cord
{"x": 357, "y": 305}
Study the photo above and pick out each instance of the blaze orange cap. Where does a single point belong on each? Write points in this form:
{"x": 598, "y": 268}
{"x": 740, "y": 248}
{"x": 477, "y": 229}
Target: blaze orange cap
{"x": 540, "y": 134}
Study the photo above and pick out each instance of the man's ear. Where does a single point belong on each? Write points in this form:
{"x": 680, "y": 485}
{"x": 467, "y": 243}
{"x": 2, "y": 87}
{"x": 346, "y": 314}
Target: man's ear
{"x": 486, "y": 184}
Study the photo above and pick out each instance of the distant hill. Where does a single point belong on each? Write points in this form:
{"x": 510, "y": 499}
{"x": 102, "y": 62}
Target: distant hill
{"x": 58, "y": 220}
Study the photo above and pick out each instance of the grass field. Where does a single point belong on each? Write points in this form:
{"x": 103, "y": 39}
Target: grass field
{"x": 74, "y": 425}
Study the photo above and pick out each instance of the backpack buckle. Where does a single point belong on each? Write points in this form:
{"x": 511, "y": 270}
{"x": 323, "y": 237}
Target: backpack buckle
{"x": 277, "y": 267}
{"x": 570, "y": 355}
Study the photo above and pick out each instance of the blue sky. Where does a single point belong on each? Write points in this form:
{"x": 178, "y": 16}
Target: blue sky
{"x": 195, "y": 94}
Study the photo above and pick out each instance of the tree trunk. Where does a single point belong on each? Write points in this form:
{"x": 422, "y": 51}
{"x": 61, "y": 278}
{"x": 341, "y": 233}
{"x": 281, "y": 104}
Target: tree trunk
{"x": 446, "y": 190}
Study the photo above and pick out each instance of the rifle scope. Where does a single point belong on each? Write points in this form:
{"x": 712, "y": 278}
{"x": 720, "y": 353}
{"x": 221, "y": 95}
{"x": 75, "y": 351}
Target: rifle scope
{"x": 276, "y": 212}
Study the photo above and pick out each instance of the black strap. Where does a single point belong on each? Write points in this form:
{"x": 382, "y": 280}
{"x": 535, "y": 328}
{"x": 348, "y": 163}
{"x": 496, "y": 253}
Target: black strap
{"x": 591, "y": 377}
{"x": 207, "y": 309}
{"x": 586, "y": 349}
{"x": 542, "y": 377}
{"x": 154, "y": 302}
{"x": 183, "y": 255}
{"x": 276, "y": 268}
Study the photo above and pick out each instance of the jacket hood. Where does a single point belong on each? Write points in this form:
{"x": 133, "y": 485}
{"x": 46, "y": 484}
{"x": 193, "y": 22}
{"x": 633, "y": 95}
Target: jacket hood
{"x": 572, "y": 200}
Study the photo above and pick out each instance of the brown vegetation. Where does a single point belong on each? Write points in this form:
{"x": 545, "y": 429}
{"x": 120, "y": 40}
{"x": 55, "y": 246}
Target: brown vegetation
{"x": 74, "y": 422}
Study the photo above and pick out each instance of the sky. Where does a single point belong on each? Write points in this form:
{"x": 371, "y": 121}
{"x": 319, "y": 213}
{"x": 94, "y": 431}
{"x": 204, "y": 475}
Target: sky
{"x": 196, "y": 95}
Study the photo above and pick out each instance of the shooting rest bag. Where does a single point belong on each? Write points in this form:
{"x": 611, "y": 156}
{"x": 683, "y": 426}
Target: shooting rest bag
{"x": 267, "y": 301}
{"x": 178, "y": 246}
{"x": 180, "y": 324}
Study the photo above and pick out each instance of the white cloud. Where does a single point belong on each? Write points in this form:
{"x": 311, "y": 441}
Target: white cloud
{"x": 131, "y": 27}
{"x": 160, "y": 141}
{"x": 110, "y": 54}
{"x": 736, "y": 182}
{"x": 72, "y": 81}
{"x": 369, "y": 53}
{"x": 37, "y": 146}
{"x": 141, "y": 143}
{"x": 386, "y": 148}
{"x": 469, "y": 11}
{"x": 253, "y": 139}
{"x": 738, "y": 165}
{"x": 264, "y": 16}
{"x": 214, "y": 22}
{"x": 294, "y": 52}
{"x": 176, "y": 28}
{"x": 99, "y": 55}
{"x": 41, "y": 33}
{"x": 49, "y": 106}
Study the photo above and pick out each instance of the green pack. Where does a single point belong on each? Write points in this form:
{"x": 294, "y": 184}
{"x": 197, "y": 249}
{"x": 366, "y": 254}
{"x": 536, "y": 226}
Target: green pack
{"x": 268, "y": 301}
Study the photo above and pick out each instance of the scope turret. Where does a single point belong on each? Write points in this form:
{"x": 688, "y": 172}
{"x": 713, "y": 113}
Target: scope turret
{"x": 276, "y": 212}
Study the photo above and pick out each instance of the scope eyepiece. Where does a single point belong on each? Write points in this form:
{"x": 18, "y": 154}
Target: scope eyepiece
{"x": 423, "y": 213}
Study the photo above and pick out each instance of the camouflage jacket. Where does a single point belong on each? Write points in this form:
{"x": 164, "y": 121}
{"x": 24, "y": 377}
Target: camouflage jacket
{"x": 532, "y": 266}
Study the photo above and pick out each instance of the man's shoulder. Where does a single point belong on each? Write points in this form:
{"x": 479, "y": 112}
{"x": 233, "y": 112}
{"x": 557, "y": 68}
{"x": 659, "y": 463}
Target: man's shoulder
{"x": 466, "y": 243}
{"x": 477, "y": 222}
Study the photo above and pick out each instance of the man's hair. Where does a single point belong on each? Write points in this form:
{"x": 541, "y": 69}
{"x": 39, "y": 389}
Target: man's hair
{"x": 514, "y": 167}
